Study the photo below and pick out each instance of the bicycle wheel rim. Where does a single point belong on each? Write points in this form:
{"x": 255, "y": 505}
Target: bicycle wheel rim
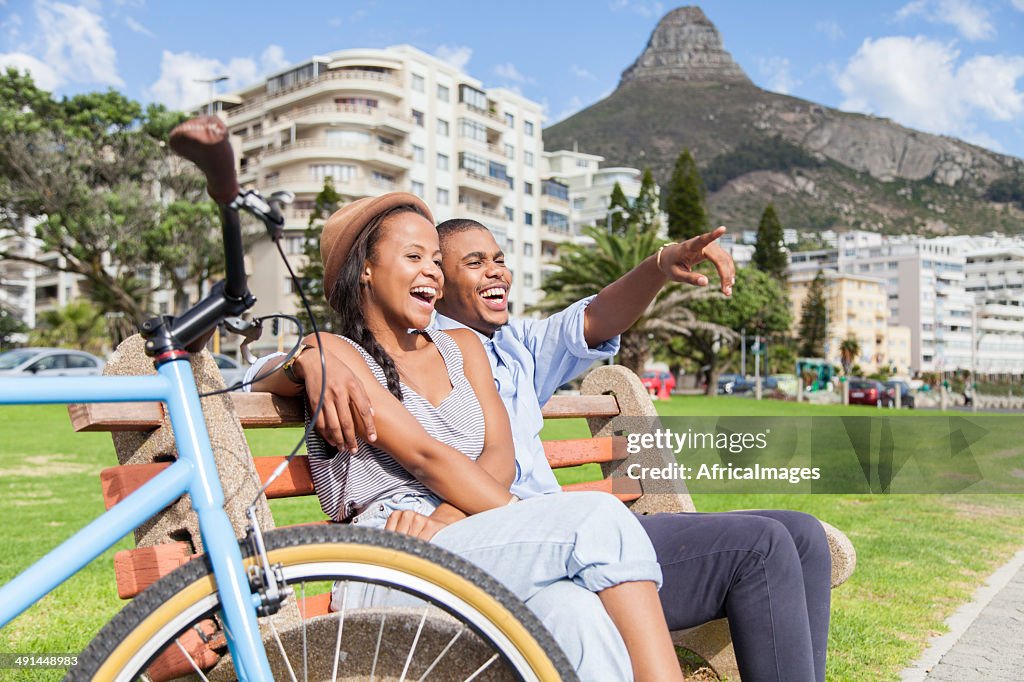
{"x": 420, "y": 576}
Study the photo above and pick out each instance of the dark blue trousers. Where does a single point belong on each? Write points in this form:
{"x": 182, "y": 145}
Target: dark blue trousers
{"x": 768, "y": 571}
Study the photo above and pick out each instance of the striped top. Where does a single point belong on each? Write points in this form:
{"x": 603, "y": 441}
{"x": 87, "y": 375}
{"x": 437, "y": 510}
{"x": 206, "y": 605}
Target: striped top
{"x": 347, "y": 482}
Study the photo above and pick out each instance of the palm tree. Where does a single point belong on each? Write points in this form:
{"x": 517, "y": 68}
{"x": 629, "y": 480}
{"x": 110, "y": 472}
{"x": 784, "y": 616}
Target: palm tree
{"x": 586, "y": 269}
{"x": 77, "y": 325}
{"x": 849, "y": 349}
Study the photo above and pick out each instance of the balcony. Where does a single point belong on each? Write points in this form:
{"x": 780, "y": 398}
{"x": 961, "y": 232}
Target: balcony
{"x": 384, "y": 119}
{"x": 388, "y": 156}
{"x": 488, "y": 118}
{"x": 332, "y": 81}
{"x": 303, "y": 184}
{"x": 481, "y": 183}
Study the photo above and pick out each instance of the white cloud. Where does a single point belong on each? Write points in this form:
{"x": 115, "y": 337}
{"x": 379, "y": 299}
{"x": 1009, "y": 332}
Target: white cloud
{"x": 76, "y": 44}
{"x": 456, "y": 55}
{"x": 138, "y": 28}
{"x": 918, "y": 82}
{"x": 650, "y": 10}
{"x": 1019, "y": 4}
{"x": 970, "y": 19}
{"x": 334, "y": 22}
{"x": 581, "y": 72}
{"x": 776, "y": 71}
{"x": 508, "y": 71}
{"x": 179, "y": 88}
{"x": 43, "y": 74}
{"x": 832, "y": 29}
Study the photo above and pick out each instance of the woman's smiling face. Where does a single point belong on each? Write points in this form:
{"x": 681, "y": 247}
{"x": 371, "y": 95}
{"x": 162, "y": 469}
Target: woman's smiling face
{"x": 403, "y": 276}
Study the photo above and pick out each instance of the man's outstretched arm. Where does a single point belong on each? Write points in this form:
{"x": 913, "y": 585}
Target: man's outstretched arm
{"x": 622, "y": 302}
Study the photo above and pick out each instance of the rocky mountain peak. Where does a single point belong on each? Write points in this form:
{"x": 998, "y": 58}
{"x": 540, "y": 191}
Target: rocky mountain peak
{"x": 686, "y": 46}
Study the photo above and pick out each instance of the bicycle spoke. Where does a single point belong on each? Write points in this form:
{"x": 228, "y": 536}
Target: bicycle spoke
{"x": 415, "y": 641}
{"x": 305, "y": 647}
{"x": 380, "y": 636}
{"x": 341, "y": 627}
{"x": 444, "y": 651}
{"x": 479, "y": 670}
{"x": 191, "y": 661}
{"x": 284, "y": 654}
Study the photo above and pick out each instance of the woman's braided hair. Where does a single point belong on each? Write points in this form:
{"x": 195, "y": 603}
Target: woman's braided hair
{"x": 347, "y": 296}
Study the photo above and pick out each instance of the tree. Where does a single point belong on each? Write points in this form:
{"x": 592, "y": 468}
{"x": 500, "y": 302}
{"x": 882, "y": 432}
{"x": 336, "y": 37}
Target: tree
{"x": 757, "y": 304}
{"x": 10, "y": 327}
{"x": 684, "y": 202}
{"x": 849, "y": 349}
{"x": 78, "y": 325}
{"x": 586, "y": 269}
{"x": 814, "y": 319}
{"x": 311, "y": 275}
{"x": 620, "y": 212}
{"x": 769, "y": 255}
{"x": 92, "y": 180}
{"x": 645, "y": 207}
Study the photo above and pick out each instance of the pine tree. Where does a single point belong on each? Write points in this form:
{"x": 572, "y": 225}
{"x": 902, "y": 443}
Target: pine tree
{"x": 813, "y": 319}
{"x": 645, "y": 208}
{"x": 311, "y": 275}
{"x": 684, "y": 204}
{"x": 769, "y": 256}
{"x": 619, "y": 211}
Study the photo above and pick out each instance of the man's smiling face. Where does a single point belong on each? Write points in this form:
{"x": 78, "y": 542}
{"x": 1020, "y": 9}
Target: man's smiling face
{"x": 476, "y": 280}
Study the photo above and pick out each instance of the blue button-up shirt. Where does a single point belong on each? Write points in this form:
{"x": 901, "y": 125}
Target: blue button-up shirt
{"x": 530, "y": 359}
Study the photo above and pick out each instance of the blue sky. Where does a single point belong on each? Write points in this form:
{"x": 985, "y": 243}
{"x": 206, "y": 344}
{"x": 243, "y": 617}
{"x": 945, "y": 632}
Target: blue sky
{"x": 954, "y": 67}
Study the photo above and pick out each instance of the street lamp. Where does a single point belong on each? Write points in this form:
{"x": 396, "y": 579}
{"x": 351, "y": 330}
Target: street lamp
{"x": 211, "y": 82}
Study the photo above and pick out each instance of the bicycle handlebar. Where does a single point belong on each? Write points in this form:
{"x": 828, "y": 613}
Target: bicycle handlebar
{"x": 204, "y": 142}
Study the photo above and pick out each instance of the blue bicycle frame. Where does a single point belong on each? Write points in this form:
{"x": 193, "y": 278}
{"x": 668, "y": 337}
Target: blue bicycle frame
{"x": 194, "y": 473}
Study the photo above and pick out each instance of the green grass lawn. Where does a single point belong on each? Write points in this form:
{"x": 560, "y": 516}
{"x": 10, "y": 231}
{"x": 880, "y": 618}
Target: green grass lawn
{"x": 919, "y": 556}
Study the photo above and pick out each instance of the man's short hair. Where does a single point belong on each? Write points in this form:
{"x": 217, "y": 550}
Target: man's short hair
{"x": 456, "y": 226}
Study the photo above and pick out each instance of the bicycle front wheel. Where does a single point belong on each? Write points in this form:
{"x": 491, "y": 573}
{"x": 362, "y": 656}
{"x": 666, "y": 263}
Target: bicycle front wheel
{"x": 367, "y": 604}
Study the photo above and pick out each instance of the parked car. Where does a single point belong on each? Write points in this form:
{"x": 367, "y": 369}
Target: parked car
{"x": 734, "y": 384}
{"x": 868, "y": 392}
{"x": 906, "y": 395}
{"x": 667, "y": 381}
{"x": 49, "y": 362}
{"x": 229, "y": 368}
{"x": 651, "y": 380}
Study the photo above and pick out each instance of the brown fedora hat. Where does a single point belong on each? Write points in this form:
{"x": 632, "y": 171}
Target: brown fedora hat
{"x": 342, "y": 228}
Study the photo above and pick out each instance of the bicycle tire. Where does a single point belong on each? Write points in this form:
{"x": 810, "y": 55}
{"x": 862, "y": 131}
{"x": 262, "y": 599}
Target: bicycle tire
{"x": 177, "y": 604}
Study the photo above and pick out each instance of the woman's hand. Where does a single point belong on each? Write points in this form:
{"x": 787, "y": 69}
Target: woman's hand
{"x": 414, "y": 524}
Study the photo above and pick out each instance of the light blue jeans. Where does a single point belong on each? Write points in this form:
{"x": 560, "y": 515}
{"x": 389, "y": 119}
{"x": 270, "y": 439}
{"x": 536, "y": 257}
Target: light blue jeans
{"x": 554, "y": 552}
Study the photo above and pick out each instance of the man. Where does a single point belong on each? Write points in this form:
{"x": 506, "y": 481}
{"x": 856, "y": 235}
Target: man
{"x": 769, "y": 571}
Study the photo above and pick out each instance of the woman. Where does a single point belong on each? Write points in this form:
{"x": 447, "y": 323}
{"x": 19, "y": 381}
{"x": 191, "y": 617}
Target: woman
{"x": 443, "y": 447}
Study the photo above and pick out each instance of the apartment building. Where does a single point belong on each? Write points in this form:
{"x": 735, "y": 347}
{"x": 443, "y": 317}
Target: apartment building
{"x": 590, "y": 186}
{"x": 381, "y": 120}
{"x": 857, "y": 306}
{"x": 924, "y": 280}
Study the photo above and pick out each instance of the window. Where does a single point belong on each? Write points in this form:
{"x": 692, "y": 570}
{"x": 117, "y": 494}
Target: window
{"x": 294, "y": 77}
{"x": 417, "y": 116}
{"x": 510, "y": 151}
{"x": 555, "y": 189}
{"x": 527, "y": 249}
{"x": 510, "y": 213}
{"x": 50, "y": 362}
{"x": 579, "y": 203}
{"x": 528, "y": 188}
{"x": 418, "y": 154}
{"x": 418, "y": 189}
{"x": 556, "y": 222}
{"x": 80, "y": 362}
{"x": 346, "y": 138}
{"x": 473, "y": 164}
{"x": 527, "y": 128}
{"x": 528, "y": 158}
{"x": 528, "y": 279}
{"x": 510, "y": 245}
{"x": 293, "y": 245}
{"x": 473, "y": 130}
{"x": 442, "y": 127}
{"x": 340, "y": 172}
{"x": 350, "y": 103}
{"x": 442, "y": 197}
{"x": 442, "y": 162}
{"x": 510, "y": 120}
{"x": 527, "y": 218}
{"x": 418, "y": 84}
{"x": 473, "y": 98}
{"x": 383, "y": 179}
{"x": 499, "y": 171}
{"x": 443, "y": 93}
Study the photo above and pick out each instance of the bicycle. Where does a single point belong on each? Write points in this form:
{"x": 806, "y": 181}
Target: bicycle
{"x": 448, "y": 614}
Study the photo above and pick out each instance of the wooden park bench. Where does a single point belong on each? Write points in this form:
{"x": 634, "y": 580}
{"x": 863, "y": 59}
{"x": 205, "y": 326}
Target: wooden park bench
{"x": 144, "y": 447}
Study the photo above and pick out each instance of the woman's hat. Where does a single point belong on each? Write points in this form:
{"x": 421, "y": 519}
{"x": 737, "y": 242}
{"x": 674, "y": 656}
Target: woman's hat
{"x": 342, "y": 228}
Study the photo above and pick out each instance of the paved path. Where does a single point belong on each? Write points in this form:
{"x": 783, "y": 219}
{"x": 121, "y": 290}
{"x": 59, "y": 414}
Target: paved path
{"x": 986, "y": 638}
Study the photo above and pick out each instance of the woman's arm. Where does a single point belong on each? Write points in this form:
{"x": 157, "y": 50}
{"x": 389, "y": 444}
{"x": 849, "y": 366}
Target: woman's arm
{"x": 443, "y": 469}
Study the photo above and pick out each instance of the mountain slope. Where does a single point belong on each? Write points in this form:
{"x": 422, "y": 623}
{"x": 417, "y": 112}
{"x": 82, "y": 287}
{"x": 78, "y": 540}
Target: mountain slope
{"x": 823, "y": 168}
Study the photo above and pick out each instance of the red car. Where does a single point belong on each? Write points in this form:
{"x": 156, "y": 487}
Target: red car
{"x": 651, "y": 381}
{"x": 868, "y": 392}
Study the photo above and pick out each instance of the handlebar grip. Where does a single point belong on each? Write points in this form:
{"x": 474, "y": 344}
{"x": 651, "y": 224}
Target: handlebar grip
{"x": 204, "y": 142}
